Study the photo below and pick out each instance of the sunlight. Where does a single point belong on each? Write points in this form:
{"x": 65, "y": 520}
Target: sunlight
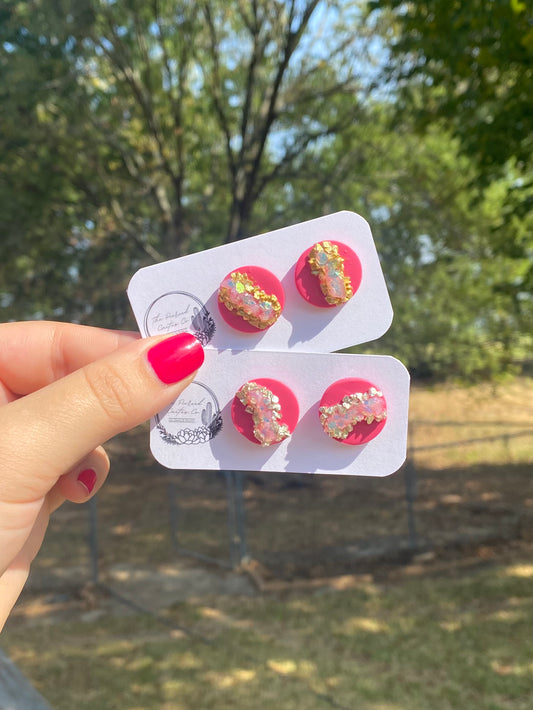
{"x": 137, "y": 664}
{"x": 450, "y": 626}
{"x": 507, "y": 615}
{"x": 286, "y": 667}
{"x": 523, "y": 570}
{"x": 222, "y": 681}
{"x": 221, "y": 617}
{"x": 451, "y": 499}
{"x": 188, "y": 661}
{"x": 283, "y": 667}
{"x": 211, "y": 613}
{"x": 360, "y": 623}
{"x": 512, "y": 668}
{"x": 124, "y": 529}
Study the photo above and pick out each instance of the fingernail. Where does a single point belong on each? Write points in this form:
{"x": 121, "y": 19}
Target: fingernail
{"x": 88, "y": 478}
{"x": 175, "y": 358}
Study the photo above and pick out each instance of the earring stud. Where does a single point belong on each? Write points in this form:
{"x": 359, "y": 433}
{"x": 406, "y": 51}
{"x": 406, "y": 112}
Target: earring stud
{"x": 273, "y": 408}
{"x": 352, "y": 411}
{"x": 328, "y": 274}
{"x": 250, "y": 299}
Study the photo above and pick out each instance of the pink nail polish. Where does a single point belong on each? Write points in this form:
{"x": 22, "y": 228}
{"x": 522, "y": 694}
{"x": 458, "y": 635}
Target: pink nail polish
{"x": 88, "y": 478}
{"x": 175, "y": 358}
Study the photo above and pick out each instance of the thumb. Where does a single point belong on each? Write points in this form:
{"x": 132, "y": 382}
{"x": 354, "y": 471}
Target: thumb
{"x": 45, "y": 434}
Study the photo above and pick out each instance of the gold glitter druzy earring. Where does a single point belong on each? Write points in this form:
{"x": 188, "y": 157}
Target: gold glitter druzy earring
{"x": 352, "y": 411}
{"x": 250, "y": 299}
{"x": 328, "y": 274}
{"x": 273, "y": 408}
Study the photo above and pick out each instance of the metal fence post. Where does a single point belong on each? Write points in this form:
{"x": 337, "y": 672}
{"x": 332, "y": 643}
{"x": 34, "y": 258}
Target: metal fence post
{"x": 232, "y": 519}
{"x": 93, "y": 540}
{"x": 410, "y": 481}
{"x": 174, "y": 516}
{"x": 173, "y": 513}
{"x": 240, "y": 517}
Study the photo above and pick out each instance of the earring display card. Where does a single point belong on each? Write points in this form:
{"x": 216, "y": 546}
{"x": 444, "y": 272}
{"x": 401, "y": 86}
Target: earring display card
{"x": 197, "y": 431}
{"x": 182, "y": 294}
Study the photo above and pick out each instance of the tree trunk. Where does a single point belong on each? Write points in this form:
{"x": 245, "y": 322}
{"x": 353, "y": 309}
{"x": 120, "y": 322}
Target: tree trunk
{"x": 239, "y": 220}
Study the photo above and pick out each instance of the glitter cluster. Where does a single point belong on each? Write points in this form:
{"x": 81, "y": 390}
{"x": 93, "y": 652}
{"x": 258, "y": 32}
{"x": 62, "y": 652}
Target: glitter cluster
{"x": 328, "y": 265}
{"x": 265, "y": 408}
{"x": 240, "y": 294}
{"x": 340, "y": 419}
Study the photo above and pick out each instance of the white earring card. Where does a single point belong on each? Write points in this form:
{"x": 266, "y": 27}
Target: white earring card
{"x": 197, "y": 431}
{"x": 182, "y": 294}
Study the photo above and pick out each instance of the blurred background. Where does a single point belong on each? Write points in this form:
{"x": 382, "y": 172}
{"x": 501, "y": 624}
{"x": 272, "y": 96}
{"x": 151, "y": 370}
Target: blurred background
{"x": 133, "y": 131}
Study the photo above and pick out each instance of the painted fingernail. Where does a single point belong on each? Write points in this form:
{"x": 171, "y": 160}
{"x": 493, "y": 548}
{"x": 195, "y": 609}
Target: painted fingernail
{"x": 88, "y": 478}
{"x": 176, "y": 358}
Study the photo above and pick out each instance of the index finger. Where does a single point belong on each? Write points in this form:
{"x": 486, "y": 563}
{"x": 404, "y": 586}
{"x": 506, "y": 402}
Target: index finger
{"x": 37, "y": 353}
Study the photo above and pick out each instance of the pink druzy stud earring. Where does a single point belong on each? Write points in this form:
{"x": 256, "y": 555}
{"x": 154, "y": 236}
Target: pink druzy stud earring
{"x": 265, "y": 411}
{"x": 352, "y": 411}
{"x": 250, "y": 299}
{"x": 328, "y": 274}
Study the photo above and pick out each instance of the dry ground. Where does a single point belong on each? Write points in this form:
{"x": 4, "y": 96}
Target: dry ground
{"x": 336, "y": 611}
{"x": 478, "y": 492}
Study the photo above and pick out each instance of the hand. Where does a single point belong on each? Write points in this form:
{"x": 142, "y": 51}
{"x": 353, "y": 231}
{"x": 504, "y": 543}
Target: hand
{"x": 64, "y": 390}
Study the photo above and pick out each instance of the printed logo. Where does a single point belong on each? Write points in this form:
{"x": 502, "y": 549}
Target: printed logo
{"x": 179, "y": 312}
{"x": 194, "y": 418}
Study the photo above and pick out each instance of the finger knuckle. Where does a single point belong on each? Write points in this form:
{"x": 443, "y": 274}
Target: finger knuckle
{"x": 111, "y": 392}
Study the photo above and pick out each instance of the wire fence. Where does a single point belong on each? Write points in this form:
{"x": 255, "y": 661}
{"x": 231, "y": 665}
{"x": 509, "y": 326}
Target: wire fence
{"x": 292, "y": 523}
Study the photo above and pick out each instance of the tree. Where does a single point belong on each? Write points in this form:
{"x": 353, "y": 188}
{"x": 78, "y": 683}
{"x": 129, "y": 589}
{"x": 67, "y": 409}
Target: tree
{"x": 278, "y": 90}
{"x": 468, "y": 67}
{"x": 38, "y": 190}
{"x": 454, "y": 311}
{"x": 472, "y": 65}
{"x": 179, "y": 116}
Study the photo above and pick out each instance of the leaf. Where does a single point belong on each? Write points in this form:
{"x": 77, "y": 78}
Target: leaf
{"x": 518, "y": 6}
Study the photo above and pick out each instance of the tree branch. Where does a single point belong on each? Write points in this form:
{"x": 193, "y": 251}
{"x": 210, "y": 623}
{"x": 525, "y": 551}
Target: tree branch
{"x": 176, "y": 101}
{"x": 268, "y": 109}
{"x": 216, "y": 89}
{"x": 143, "y": 101}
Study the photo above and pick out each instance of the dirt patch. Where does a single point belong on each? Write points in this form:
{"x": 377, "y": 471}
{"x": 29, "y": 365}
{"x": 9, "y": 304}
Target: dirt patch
{"x": 450, "y": 504}
{"x": 317, "y": 527}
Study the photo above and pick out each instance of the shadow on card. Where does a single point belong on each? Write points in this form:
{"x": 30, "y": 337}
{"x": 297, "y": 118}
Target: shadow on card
{"x": 307, "y": 321}
{"x": 225, "y": 448}
{"x": 310, "y": 449}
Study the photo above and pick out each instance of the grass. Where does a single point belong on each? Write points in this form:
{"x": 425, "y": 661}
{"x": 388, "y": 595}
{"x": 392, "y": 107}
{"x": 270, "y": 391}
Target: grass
{"x": 450, "y": 633}
{"x": 484, "y": 489}
{"x": 446, "y": 415}
{"x": 436, "y": 642}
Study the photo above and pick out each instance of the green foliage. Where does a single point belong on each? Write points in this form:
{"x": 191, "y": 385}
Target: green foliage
{"x": 158, "y": 125}
{"x": 454, "y": 313}
{"x": 472, "y": 64}
{"x": 468, "y": 67}
{"x": 131, "y": 132}
{"x": 454, "y": 293}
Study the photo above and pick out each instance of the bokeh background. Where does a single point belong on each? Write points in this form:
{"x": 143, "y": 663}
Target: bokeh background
{"x": 133, "y": 131}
